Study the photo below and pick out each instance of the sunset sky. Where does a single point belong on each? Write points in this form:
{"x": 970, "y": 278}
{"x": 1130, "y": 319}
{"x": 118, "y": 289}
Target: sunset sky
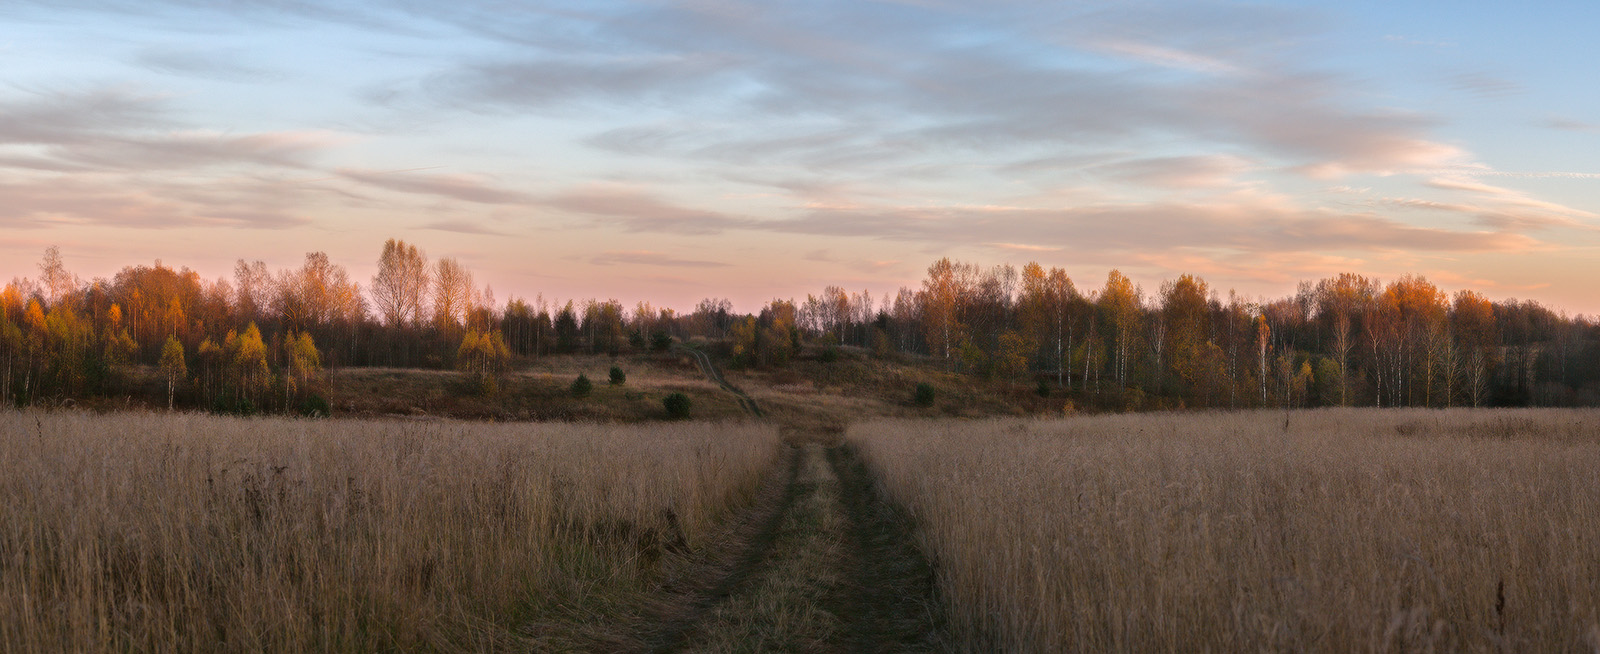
{"x": 671, "y": 151}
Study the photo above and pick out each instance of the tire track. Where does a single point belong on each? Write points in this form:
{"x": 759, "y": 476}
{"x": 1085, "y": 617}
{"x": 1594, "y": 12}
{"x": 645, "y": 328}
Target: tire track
{"x": 703, "y": 360}
{"x": 715, "y": 583}
{"x": 893, "y": 601}
{"x": 827, "y": 567}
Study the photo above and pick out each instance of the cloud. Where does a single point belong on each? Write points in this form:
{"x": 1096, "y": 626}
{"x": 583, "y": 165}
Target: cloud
{"x": 1569, "y": 125}
{"x": 118, "y": 129}
{"x": 462, "y": 227}
{"x": 1152, "y": 227}
{"x": 1167, "y": 57}
{"x": 1176, "y": 172}
{"x": 546, "y": 82}
{"x": 76, "y": 116}
{"x": 861, "y": 86}
{"x": 1518, "y": 201}
{"x": 260, "y": 204}
{"x": 650, "y": 258}
{"x": 1021, "y": 247}
{"x": 460, "y": 187}
{"x": 219, "y": 65}
{"x": 640, "y": 211}
{"x": 1242, "y": 221}
{"x": 1484, "y": 85}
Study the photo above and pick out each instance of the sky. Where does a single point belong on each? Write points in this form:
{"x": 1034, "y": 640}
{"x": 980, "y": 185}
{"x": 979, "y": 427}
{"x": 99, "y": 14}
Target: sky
{"x": 672, "y": 151}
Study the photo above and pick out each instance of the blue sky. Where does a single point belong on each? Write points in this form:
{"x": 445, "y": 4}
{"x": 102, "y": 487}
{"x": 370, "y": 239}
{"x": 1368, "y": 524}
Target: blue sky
{"x": 676, "y": 150}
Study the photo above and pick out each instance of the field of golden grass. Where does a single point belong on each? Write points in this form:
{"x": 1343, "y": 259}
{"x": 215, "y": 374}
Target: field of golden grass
{"x": 1349, "y": 530}
{"x": 151, "y": 532}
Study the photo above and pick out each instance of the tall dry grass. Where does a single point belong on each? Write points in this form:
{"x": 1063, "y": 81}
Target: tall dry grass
{"x": 1355, "y": 530}
{"x": 152, "y": 532}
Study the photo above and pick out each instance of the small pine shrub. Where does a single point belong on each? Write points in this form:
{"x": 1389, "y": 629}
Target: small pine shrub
{"x": 924, "y": 394}
{"x": 660, "y": 341}
{"x": 1043, "y": 389}
{"x": 618, "y": 377}
{"x": 581, "y": 386}
{"x": 315, "y": 406}
{"x": 829, "y": 354}
{"x": 677, "y": 405}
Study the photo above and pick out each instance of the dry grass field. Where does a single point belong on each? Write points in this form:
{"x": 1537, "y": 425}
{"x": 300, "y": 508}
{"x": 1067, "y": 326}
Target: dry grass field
{"x": 536, "y": 390}
{"x": 1351, "y": 530}
{"x": 146, "y": 532}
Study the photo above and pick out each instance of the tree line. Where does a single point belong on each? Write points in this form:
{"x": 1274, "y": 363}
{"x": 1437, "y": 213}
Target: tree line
{"x": 262, "y": 340}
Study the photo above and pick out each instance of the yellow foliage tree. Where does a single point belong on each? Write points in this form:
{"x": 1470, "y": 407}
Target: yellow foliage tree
{"x": 483, "y": 356}
{"x": 173, "y": 367}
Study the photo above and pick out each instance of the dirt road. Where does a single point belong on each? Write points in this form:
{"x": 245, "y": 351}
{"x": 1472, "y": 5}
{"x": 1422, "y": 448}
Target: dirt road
{"x": 820, "y": 564}
{"x": 823, "y": 566}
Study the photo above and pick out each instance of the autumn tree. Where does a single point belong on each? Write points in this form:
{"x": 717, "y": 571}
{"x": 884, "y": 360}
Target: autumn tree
{"x": 483, "y": 357}
{"x": 1119, "y": 301}
{"x": 1340, "y": 302}
{"x": 304, "y": 361}
{"x": 1263, "y": 346}
{"x": 1064, "y": 305}
{"x": 173, "y": 367}
{"x": 1034, "y": 310}
{"x": 247, "y": 358}
{"x": 1477, "y": 335}
{"x": 1011, "y": 357}
{"x": 452, "y": 295}
{"x": 1410, "y": 307}
{"x": 400, "y": 289}
{"x": 1186, "y": 312}
{"x": 942, "y": 295}
{"x": 317, "y": 296}
{"x": 253, "y": 289}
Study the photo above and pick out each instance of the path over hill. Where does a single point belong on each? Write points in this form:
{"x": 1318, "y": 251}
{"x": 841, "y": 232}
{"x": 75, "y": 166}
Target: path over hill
{"x": 710, "y": 369}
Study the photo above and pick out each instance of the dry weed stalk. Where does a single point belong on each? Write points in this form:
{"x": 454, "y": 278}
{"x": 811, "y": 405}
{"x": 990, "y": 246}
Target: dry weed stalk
{"x": 144, "y": 532}
{"x": 1359, "y": 530}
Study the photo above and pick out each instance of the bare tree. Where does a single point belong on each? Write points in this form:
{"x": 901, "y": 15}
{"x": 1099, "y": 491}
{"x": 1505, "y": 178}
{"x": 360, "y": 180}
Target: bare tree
{"x": 452, "y": 293}
{"x": 401, "y": 286}
{"x": 252, "y": 289}
{"x": 54, "y": 279}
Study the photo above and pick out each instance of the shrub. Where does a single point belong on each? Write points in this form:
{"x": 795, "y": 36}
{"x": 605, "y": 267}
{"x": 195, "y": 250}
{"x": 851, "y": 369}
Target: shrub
{"x": 618, "y": 376}
{"x": 636, "y": 340}
{"x": 315, "y": 406}
{"x": 924, "y": 394}
{"x": 829, "y": 354}
{"x": 677, "y": 405}
{"x": 1043, "y": 389}
{"x": 660, "y": 341}
{"x": 581, "y": 386}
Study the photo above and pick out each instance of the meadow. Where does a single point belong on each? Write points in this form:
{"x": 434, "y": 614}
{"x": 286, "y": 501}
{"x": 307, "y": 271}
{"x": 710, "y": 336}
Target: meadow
{"x": 1325, "y": 530}
{"x": 184, "y": 532}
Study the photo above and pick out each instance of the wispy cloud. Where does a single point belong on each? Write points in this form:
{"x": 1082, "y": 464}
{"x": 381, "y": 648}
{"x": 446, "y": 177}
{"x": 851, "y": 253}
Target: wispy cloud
{"x": 1569, "y": 125}
{"x": 1484, "y": 85}
{"x": 1166, "y": 57}
{"x": 1023, "y": 247}
{"x": 220, "y": 65}
{"x": 650, "y": 258}
{"x": 1176, "y": 172}
{"x": 641, "y": 211}
{"x": 462, "y": 227}
{"x": 468, "y": 188}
